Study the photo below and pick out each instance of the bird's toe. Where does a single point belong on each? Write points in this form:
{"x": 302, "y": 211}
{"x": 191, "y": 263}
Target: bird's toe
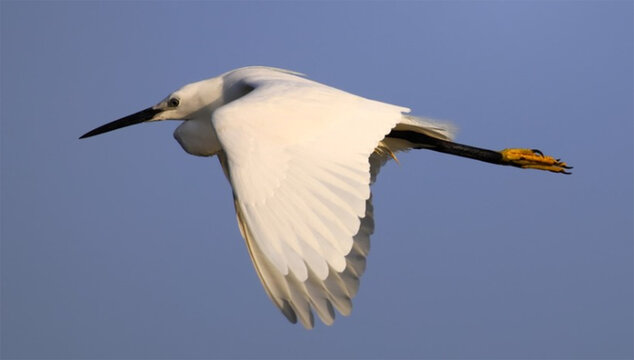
{"x": 534, "y": 159}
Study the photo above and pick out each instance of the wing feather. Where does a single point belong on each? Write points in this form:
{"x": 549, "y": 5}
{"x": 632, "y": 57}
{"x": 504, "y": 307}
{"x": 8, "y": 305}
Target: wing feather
{"x": 297, "y": 154}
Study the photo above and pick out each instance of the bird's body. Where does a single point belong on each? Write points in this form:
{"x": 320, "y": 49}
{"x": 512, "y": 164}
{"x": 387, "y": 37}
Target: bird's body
{"x": 301, "y": 157}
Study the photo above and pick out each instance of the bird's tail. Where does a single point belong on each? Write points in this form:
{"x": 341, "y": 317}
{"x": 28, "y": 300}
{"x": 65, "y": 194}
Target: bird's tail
{"x": 430, "y": 127}
{"x": 410, "y": 132}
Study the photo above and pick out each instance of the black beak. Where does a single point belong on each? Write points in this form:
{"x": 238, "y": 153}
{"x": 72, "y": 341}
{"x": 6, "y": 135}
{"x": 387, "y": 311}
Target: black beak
{"x": 136, "y": 118}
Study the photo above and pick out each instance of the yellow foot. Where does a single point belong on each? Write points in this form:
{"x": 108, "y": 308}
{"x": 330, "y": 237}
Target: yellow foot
{"x": 534, "y": 159}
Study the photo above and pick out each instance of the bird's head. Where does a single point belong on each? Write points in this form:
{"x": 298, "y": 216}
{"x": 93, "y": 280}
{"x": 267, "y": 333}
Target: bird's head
{"x": 192, "y": 101}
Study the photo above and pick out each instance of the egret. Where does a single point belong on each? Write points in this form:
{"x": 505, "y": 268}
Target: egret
{"x": 300, "y": 157}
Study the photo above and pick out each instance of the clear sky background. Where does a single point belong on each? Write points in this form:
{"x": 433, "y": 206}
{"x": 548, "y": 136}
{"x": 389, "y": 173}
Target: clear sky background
{"x": 124, "y": 246}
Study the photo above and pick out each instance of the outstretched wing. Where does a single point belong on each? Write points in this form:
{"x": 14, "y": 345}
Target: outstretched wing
{"x": 297, "y": 154}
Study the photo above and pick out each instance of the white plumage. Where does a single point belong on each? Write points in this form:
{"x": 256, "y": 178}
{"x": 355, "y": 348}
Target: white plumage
{"x": 300, "y": 157}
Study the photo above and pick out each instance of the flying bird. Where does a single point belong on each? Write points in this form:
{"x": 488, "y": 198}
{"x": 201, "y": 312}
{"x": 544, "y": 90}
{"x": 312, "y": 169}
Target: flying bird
{"x": 300, "y": 157}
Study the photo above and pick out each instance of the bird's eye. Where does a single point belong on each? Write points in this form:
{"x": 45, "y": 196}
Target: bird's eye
{"x": 173, "y": 102}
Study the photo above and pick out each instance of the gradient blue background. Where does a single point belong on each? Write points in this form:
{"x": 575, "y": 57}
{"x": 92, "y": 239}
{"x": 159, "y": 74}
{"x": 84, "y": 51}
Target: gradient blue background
{"x": 123, "y": 246}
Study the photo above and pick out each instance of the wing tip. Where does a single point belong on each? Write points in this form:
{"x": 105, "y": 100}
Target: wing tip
{"x": 288, "y": 312}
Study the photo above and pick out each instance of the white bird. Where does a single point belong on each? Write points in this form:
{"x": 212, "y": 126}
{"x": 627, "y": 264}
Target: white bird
{"x": 300, "y": 157}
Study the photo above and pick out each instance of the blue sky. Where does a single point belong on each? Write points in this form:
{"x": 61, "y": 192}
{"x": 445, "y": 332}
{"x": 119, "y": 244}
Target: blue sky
{"x": 123, "y": 246}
